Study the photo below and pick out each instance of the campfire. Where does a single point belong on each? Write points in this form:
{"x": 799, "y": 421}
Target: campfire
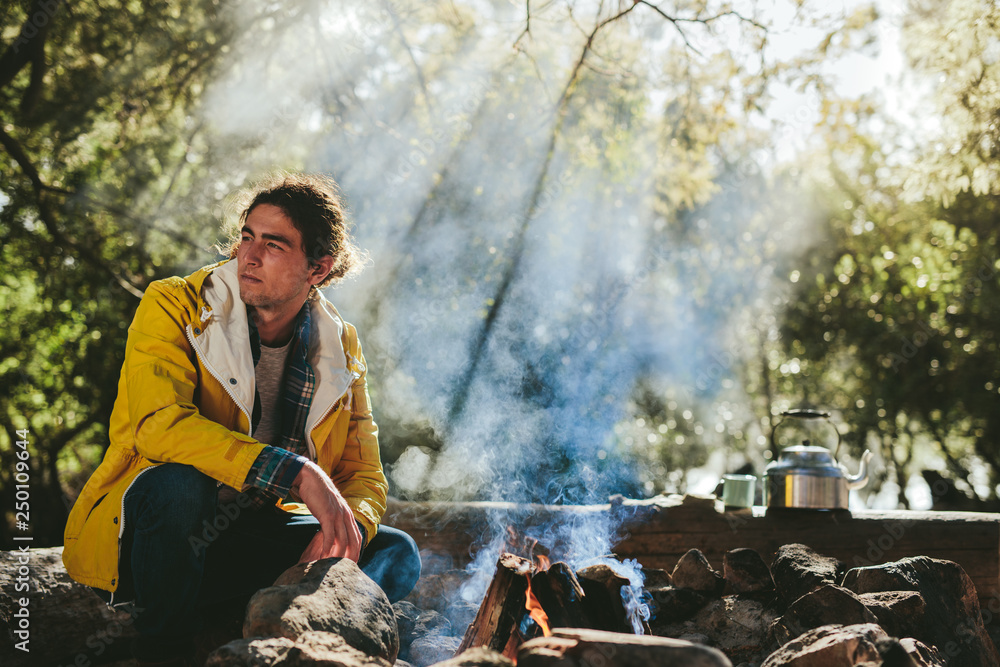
{"x": 746, "y": 594}
{"x": 526, "y": 599}
{"x": 802, "y": 608}
{"x": 534, "y": 608}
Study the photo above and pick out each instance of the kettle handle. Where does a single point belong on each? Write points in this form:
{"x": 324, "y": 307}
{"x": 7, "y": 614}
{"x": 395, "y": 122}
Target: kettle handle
{"x": 805, "y": 413}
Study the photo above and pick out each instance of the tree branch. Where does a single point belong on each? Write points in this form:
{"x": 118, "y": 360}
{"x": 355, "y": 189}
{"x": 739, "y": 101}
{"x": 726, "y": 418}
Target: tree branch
{"x": 482, "y": 339}
{"x": 527, "y": 25}
{"x": 676, "y": 21}
{"x": 954, "y": 464}
{"x": 20, "y": 53}
{"x": 409, "y": 50}
{"x": 45, "y": 214}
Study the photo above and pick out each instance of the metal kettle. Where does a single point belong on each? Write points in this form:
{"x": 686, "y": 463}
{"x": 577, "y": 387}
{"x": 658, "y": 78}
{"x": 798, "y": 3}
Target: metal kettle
{"x": 808, "y": 476}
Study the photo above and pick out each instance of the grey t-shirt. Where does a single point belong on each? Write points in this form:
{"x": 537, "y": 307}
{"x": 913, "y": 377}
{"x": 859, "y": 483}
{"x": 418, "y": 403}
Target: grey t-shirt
{"x": 270, "y": 376}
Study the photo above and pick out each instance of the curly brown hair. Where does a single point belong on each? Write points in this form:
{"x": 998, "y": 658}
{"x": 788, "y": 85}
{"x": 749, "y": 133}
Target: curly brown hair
{"x": 314, "y": 205}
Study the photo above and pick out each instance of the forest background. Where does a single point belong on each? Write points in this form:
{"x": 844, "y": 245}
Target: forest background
{"x": 610, "y": 241}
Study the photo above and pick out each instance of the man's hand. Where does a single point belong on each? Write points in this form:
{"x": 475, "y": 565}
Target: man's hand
{"x": 338, "y": 535}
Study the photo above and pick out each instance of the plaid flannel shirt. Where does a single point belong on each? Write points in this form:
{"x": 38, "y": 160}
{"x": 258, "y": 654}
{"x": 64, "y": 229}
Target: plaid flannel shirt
{"x": 276, "y": 467}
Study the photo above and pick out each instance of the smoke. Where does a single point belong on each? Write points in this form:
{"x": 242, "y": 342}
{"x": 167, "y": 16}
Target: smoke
{"x": 567, "y": 272}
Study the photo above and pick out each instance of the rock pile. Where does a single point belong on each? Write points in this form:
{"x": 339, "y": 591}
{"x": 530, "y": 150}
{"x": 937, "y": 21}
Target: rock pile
{"x": 323, "y": 612}
{"x": 804, "y": 609}
{"x": 808, "y": 609}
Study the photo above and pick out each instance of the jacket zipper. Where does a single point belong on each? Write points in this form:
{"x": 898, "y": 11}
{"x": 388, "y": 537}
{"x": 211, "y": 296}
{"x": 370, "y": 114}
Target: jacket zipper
{"x": 213, "y": 373}
{"x": 121, "y": 531}
{"x": 309, "y": 439}
{"x": 308, "y": 436}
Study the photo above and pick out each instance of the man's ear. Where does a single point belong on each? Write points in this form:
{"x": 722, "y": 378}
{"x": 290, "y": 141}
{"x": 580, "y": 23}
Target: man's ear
{"x": 320, "y": 269}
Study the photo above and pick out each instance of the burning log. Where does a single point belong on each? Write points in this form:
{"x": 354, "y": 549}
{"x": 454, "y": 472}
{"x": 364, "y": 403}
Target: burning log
{"x": 561, "y": 597}
{"x": 552, "y": 596}
{"x": 603, "y": 589}
{"x": 502, "y": 608}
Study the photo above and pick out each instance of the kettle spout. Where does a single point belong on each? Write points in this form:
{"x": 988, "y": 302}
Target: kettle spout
{"x": 861, "y": 478}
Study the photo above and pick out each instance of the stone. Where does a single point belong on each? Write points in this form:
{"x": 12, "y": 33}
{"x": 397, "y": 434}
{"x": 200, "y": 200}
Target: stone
{"x": 406, "y": 618}
{"x": 330, "y": 595}
{"x": 432, "y": 649}
{"x": 892, "y": 653}
{"x": 310, "y": 648}
{"x": 415, "y": 624}
{"x": 588, "y": 648}
{"x": 437, "y": 591}
{"x": 477, "y": 657}
{"x": 906, "y": 653}
{"x": 797, "y": 570}
{"x": 435, "y": 563}
{"x": 656, "y": 578}
{"x": 830, "y": 646}
{"x": 669, "y": 605}
{"x": 257, "y": 651}
{"x": 431, "y": 622}
{"x": 900, "y": 613}
{"x": 921, "y": 654}
{"x": 746, "y": 572}
{"x": 737, "y": 625}
{"x": 68, "y": 623}
{"x": 693, "y": 571}
{"x": 952, "y": 620}
{"x": 894, "y": 576}
{"x": 461, "y": 614}
{"x": 827, "y": 605}
{"x": 406, "y": 622}
{"x": 602, "y": 588}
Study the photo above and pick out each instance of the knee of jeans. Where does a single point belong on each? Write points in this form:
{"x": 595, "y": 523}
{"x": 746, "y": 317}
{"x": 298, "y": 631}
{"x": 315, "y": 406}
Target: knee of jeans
{"x": 173, "y": 493}
{"x": 400, "y": 561}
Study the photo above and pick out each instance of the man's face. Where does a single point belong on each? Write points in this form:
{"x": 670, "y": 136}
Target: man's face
{"x": 272, "y": 265}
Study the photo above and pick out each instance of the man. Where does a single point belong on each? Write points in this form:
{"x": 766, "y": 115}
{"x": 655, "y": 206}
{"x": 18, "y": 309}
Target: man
{"x": 242, "y": 388}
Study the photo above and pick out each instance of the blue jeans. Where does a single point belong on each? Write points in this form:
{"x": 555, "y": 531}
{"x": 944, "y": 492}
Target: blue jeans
{"x": 183, "y": 554}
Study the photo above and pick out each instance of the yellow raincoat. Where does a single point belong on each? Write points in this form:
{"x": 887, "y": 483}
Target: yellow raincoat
{"x": 185, "y": 395}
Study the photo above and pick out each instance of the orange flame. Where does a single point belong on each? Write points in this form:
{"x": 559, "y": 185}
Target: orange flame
{"x": 543, "y": 562}
{"x": 535, "y": 610}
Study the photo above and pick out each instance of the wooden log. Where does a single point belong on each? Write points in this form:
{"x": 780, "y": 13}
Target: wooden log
{"x": 660, "y": 530}
{"x": 562, "y": 597}
{"x": 502, "y": 608}
{"x": 604, "y": 602}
